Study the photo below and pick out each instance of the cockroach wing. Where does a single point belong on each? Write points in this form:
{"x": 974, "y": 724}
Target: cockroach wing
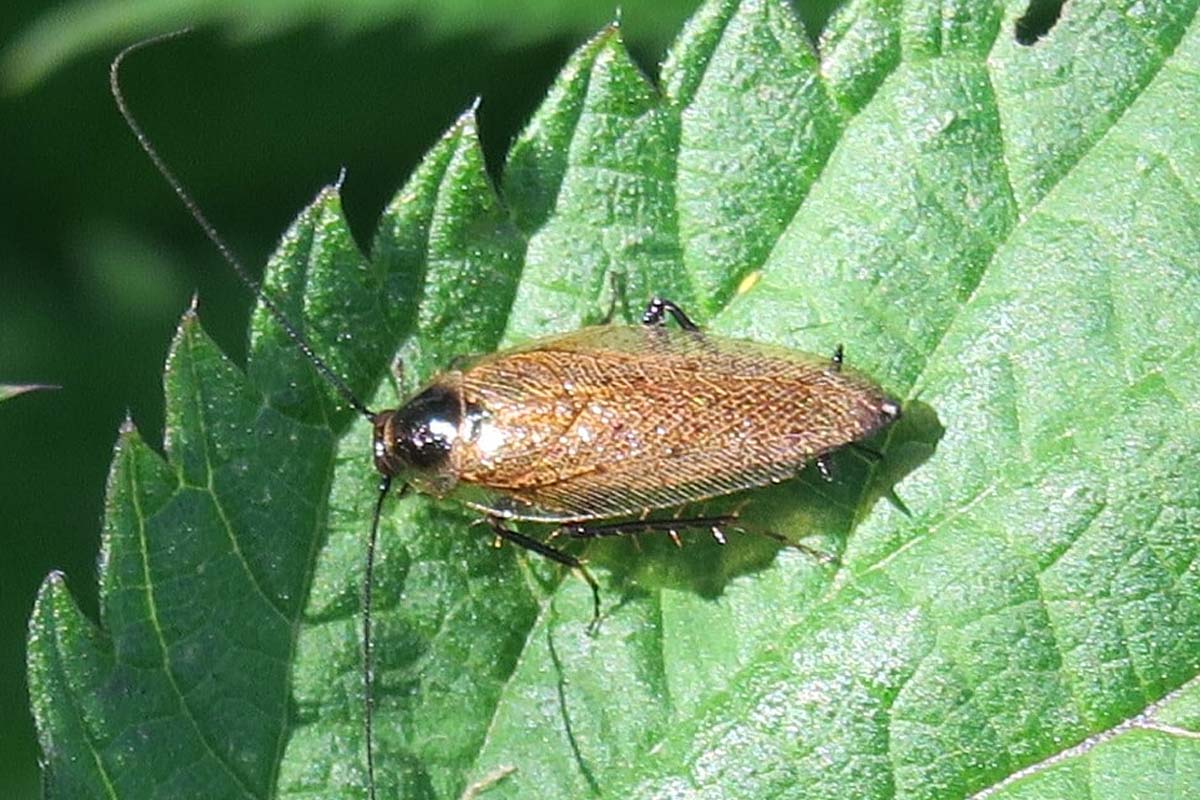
{"x": 615, "y": 420}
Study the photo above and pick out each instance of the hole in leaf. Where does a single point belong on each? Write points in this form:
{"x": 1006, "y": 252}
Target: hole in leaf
{"x": 1038, "y": 19}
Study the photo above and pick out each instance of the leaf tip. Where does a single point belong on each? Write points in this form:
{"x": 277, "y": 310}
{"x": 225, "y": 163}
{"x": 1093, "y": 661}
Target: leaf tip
{"x": 127, "y": 425}
{"x": 467, "y": 123}
{"x": 191, "y": 313}
{"x": 609, "y": 35}
{"x": 330, "y": 195}
{"x": 48, "y": 605}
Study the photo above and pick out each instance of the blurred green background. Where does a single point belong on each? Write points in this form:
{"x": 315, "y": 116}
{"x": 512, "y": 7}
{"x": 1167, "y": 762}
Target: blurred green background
{"x": 256, "y": 111}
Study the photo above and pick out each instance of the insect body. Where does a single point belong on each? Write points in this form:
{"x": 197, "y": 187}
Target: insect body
{"x": 618, "y": 420}
{"x": 606, "y": 422}
{"x": 613, "y": 421}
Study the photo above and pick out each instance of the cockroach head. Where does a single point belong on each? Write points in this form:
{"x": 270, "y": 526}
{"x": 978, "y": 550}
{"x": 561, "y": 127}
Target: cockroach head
{"x": 418, "y": 436}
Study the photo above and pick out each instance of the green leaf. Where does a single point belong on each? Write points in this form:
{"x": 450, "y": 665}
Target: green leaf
{"x": 1005, "y": 235}
{"x": 1155, "y": 754}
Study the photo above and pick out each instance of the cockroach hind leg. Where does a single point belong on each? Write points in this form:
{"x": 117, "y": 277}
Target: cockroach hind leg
{"x": 817, "y": 555}
{"x": 825, "y": 467}
{"x": 868, "y": 454}
{"x": 670, "y": 526}
{"x": 898, "y": 502}
{"x": 820, "y": 556}
{"x": 657, "y": 310}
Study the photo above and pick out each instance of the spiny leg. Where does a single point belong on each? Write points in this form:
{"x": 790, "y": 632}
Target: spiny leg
{"x": 716, "y": 525}
{"x": 825, "y": 466}
{"x": 657, "y": 310}
{"x": 868, "y": 454}
{"x": 671, "y": 527}
{"x": 566, "y": 559}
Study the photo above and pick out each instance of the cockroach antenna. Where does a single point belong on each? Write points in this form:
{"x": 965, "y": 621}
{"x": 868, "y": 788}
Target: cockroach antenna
{"x": 300, "y": 341}
{"x": 114, "y": 80}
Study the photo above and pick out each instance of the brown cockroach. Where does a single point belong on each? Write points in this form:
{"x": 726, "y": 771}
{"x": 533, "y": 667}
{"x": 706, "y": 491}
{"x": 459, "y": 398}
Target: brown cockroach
{"x": 579, "y": 429}
{"x": 616, "y": 420}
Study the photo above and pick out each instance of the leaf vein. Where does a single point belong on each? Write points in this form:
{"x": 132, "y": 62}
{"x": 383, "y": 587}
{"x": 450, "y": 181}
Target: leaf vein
{"x": 160, "y": 636}
{"x": 1143, "y": 719}
{"x": 75, "y": 707}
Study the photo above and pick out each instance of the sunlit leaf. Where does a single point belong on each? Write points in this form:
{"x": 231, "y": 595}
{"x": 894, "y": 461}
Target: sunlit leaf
{"x": 1006, "y": 236}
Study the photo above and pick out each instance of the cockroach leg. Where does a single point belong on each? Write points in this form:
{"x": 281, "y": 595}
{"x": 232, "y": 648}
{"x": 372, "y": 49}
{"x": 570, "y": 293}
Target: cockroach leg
{"x": 816, "y": 555}
{"x": 616, "y": 286}
{"x": 657, "y": 310}
{"x": 566, "y": 559}
{"x": 839, "y": 355}
{"x": 671, "y": 527}
{"x": 459, "y": 361}
{"x": 825, "y": 466}
{"x": 611, "y": 313}
{"x": 717, "y": 525}
{"x": 867, "y": 453}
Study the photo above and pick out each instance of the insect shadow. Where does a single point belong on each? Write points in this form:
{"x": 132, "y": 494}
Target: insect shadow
{"x": 815, "y": 514}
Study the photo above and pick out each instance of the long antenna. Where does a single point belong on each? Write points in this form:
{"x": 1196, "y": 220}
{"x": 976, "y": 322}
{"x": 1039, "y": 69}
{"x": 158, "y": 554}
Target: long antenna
{"x": 368, "y": 674}
{"x": 211, "y": 232}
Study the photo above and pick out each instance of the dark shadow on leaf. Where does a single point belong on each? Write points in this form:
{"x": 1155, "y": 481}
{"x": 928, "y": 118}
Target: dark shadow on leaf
{"x": 561, "y": 688}
{"x": 809, "y": 511}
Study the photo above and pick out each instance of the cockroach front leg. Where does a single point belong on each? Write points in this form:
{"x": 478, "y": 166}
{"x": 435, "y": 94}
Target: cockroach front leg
{"x": 825, "y": 467}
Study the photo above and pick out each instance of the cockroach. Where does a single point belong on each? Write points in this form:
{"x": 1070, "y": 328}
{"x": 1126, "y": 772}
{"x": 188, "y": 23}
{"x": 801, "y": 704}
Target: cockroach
{"x": 580, "y": 429}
